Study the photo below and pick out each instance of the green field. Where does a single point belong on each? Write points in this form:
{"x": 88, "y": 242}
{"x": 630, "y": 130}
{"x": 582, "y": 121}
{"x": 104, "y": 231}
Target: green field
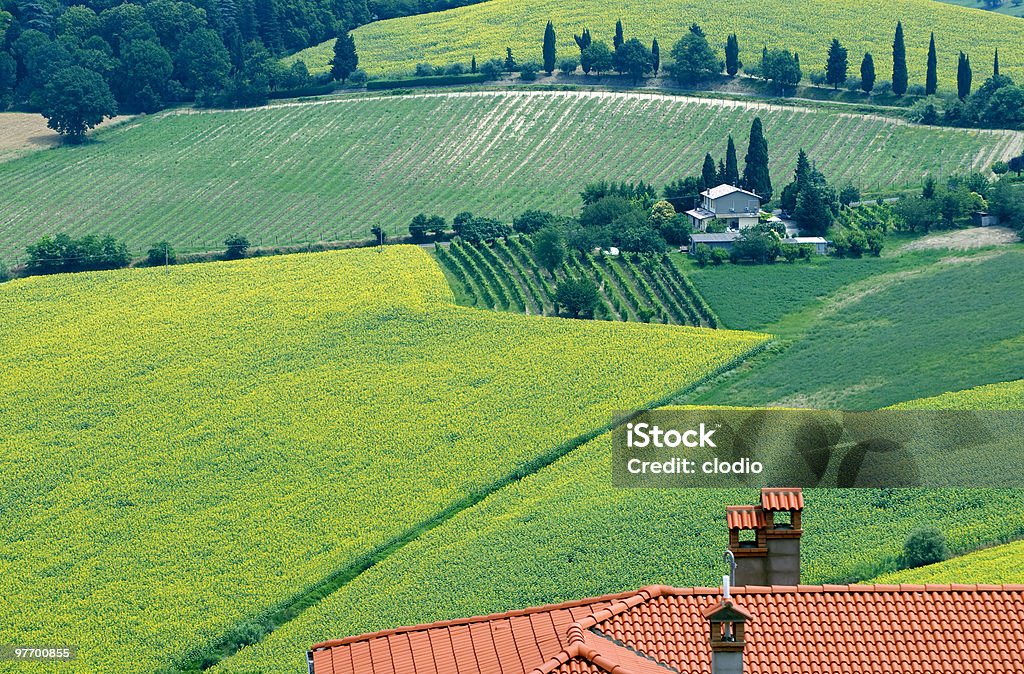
{"x": 184, "y": 450}
{"x": 484, "y": 30}
{"x": 1007, "y": 7}
{"x": 505, "y": 275}
{"x": 932, "y": 322}
{"x": 566, "y": 533}
{"x": 1003, "y": 564}
{"x": 1002, "y": 396}
{"x": 332, "y": 169}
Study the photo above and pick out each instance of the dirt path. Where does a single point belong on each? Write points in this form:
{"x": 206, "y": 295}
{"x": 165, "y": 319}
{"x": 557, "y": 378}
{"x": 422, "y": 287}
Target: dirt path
{"x": 965, "y": 239}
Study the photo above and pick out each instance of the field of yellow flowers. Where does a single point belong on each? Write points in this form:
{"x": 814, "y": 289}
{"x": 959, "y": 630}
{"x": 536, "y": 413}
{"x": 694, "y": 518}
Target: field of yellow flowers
{"x": 182, "y": 450}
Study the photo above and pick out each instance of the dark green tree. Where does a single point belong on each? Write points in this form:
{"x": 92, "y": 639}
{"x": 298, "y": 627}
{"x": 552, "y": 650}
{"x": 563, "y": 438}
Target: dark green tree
{"x": 202, "y": 62}
{"x": 756, "y": 177}
{"x": 801, "y": 177}
{"x": 583, "y": 40}
{"x": 837, "y": 66}
{"x": 732, "y": 169}
{"x": 617, "y": 42}
{"x": 931, "y": 80}
{"x": 597, "y": 57}
{"x": 76, "y": 100}
{"x": 345, "y": 57}
{"x": 899, "y": 62}
{"x": 995, "y": 64}
{"x": 656, "y": 54}
{"x": 419, "y": 227}
{"x": 161, "y": 254}
{"x": 694, "y": 59}
{"x": 867, "y": 73}
{"x": 472, "y": 65}
{"x": 237, "y": 245}
{"x": 510, "y": 60}
{"x": 549, "y": 248}
{"x": 781, "y": 68}
{"x": 577, "y": 296}
{"x": 549, "y": 48}
{"x": 924, "y": 545}
{"x": 532, "y": 221}
{"x": 145, "y": 70}
{"x": 963, "y": 77}
{"x": 708, "y": 174}
{"x": 634, "y": 59}
{"x": 682, "y": 193}
{"x": 732, "y": 56}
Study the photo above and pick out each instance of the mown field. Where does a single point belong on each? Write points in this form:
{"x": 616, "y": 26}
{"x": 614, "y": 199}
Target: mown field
{"x": 1002, "y": 564}
{"x": 930, "y": 322}
{"x": 506, "y": 276}
{"x": 332, "y": 169}
{"x": 484, "y": 30}
{"x": 184, "y": 450}
{"x": 566, "y": 533}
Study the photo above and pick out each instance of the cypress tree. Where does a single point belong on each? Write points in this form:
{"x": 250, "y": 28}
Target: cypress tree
{"x": 472, "y": 65}
{"x": 345, "y": 58}
{"x": 755, "y": 173}
{"x": 732, "y": 169}
{"x": 995, "y": 64}
{"x": 656, "y": 53}
{"x": 732, "y": 56}
{"x": 931, "y": 81}
{"x": 708, "y": 174}
{"x": 721, "y": 174}
{"x": 549, "y": 48}
{"x": 582, "y": 41}
{"x": 899, "y": 62}
{"x": 867, "y": 73}
{"x": 963, "y": 76}
{"x": 618, "y": 34}
{"x": 835, "y": 70}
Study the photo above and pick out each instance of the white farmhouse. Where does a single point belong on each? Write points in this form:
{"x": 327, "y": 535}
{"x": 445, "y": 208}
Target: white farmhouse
{"x": 737, "y": 207}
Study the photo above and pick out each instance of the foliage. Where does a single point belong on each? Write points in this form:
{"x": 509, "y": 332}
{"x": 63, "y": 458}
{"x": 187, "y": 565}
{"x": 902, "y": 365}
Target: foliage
{"x": 781, "y": 68}
{"x": 528, "y": 71}
{"x": 549, "y": 48}
{"x": 963, "y": 76}
{"x": 549, "y": 247}
{"x": 924, "y": 545}
{"x": 569, "y": 65}
{"x": 732, "y": 55}
{"x": 693, "y": 59}
{"x": 61, "y": 253}
{"x": 634, "y": 59}
{"x": 597, "y": 58}
{"x": 345, "y": 58}
{"x": 1002, "y": 564}
{"x": 237, "y": 245}
{"x": 867, "y": 73}
{"x": 161, "y": 254}
{"x": 532, "y": 221}
{"x": 481, "y": 229}
{"x": 756, "y": 176}
{"x": 835, "y": 71}
{"x": 931, "y": 81}
{"x": 577, "y": 296}
{"x": 900, "y": 75}
{"x": 76, "y": 100}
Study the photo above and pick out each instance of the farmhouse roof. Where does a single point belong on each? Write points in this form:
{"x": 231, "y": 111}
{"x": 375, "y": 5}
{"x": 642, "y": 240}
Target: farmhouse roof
{"x": 700, "y": 213}
{"x": 720, "y": 237}
{"x": 867, "y": 629}
{"x": 805, "y": 239}
{"x": 724, "y": 190}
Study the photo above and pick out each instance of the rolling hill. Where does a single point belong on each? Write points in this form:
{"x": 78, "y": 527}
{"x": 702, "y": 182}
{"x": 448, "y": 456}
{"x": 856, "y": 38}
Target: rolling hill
{"x": 333, "y": 168}
{"x": 996, "y": 565}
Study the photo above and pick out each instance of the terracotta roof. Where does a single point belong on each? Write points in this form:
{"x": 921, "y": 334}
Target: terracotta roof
{"x": 831, "y": 629}
{"x": 745, "y": 517}
{"x": 782, "y": 499}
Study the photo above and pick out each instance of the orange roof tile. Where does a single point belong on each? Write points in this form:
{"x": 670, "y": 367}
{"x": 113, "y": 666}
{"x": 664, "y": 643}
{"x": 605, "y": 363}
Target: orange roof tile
{"x": 870, "y": 629}
{"x": 745, "y": 517}
{"x": 782, "y": 499}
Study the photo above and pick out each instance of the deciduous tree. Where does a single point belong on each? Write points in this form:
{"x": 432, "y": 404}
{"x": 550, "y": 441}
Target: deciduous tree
{"x": 76, "y": 100}
{"x": 694, "y": 59}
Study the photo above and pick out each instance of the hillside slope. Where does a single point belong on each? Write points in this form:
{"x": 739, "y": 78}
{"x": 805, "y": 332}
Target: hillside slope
{"x": 332, "y": 169}
{"x": 485, "y": 30}
{"x": 997, "y": 565}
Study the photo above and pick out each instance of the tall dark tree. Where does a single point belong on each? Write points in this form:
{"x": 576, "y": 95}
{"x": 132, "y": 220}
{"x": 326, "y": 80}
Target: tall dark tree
{"x": 756, "y": 177}
{"x": 472, "y": 64}
{"x": 732, "y": 56}
{"x": 583, "y": 40}
{"x": 995, "y": 64}
{"x": 708, "y": 174}
{"x": 721, "y": 174}
{"x": 899, "y": 62}
{"x": 802, "y": 174}
{"x": 732, "y": 169}
{"x": 835, "y": 69}
{"x": 963, "y": 76}
{"x": 549, "y": 48}
{"x": 345, "y": 57}
{"x": 634, "y": 58}
{"x": 931, "y": 80}
{"x": 867, "y": 73}
{"x": 656, "y": 54}
{"x": 617, "y": 42}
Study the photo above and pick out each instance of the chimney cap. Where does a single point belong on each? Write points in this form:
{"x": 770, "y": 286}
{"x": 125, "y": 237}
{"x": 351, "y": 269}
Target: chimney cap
{"x": 790, "y": 498}
{"x": 745, "y": 517}
{"x": 726, "y": 612}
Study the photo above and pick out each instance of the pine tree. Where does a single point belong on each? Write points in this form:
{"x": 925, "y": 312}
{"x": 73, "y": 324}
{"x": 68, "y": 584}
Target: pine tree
{"x": 931, "y": 80}
{"x": 995, "y": 64}
{"x": 732, "y": 169}
{"x": 756, "y": 177}
{"x": 708, "y": 174}
{"x": 867, "y": 73}
{"x": 963, "y": 76}
{"x": 835, "y": 70}
{"x": 345, "y": 58}
{"x": 269, "y": 24}
{"x": 732, "y": 56}
{"x": 618, "y": 35}
{"x": 549, "y": 48}
{"x": 656, "y": 53}
{"x": 899, "y": 62}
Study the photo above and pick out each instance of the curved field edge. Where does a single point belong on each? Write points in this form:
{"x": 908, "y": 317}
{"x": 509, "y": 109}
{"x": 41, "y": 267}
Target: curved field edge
{"x": 998, "y": 565}
{"x": 260, "y": 405}
{"x": 1007, "y": 395}
{"x": 331, "y": 169}
{"x": 486, "y": 29}
{"x": 565, "y": 533}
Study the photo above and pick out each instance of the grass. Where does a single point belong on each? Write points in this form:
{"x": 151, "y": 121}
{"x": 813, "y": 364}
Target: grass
{"x": 198, "y": 451}
{"x": 931, "y": 323}
{"x": 1007, "y": 7}
{"x": 486, "y": 29}
{"x": 566, "y": 533}
{"x": 331, "y": 169}
{"x": 1002, "y": 564}
{"x": 1007, "y": 395}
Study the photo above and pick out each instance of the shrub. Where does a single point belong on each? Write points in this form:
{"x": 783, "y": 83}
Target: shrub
{"x": 455, "y": 69}
{"x": 925, "y": 545}
{"x": 718, "y": 256}
{"x": 358, "y": 76}
{"x": 528, "y": 71}
{"x": 426, "y": 70}
{"x": 5, "y": 275}
{"x": 568, "y": 65}
{"x": 160, "y": 254}
{"x": 492, "y": 69}
{"x": 237, "y": 245}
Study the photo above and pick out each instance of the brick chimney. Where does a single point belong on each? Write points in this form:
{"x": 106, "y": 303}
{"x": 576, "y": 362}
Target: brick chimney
{"x": 728, "y": 624}
{"x": 765, "y": 538}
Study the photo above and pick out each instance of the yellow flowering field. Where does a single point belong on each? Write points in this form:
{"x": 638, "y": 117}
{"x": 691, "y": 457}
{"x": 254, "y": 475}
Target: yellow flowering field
{"x": 997, "y": 565}
{"x": 484, "y": 30}
{"x": 182, "y": 450}
{"x": 1008, "y": 395}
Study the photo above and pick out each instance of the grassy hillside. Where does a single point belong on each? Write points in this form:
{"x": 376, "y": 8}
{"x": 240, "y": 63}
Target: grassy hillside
{"x": 185, "y": 450}
{"x": 930, "y": 323}
{"x": 997, "y": 565}
{"x": 484, "y": 30}
{"x": 566, "y": 533}
{"x": 1002, "y": 396}
{"x": 333, "y": 169}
